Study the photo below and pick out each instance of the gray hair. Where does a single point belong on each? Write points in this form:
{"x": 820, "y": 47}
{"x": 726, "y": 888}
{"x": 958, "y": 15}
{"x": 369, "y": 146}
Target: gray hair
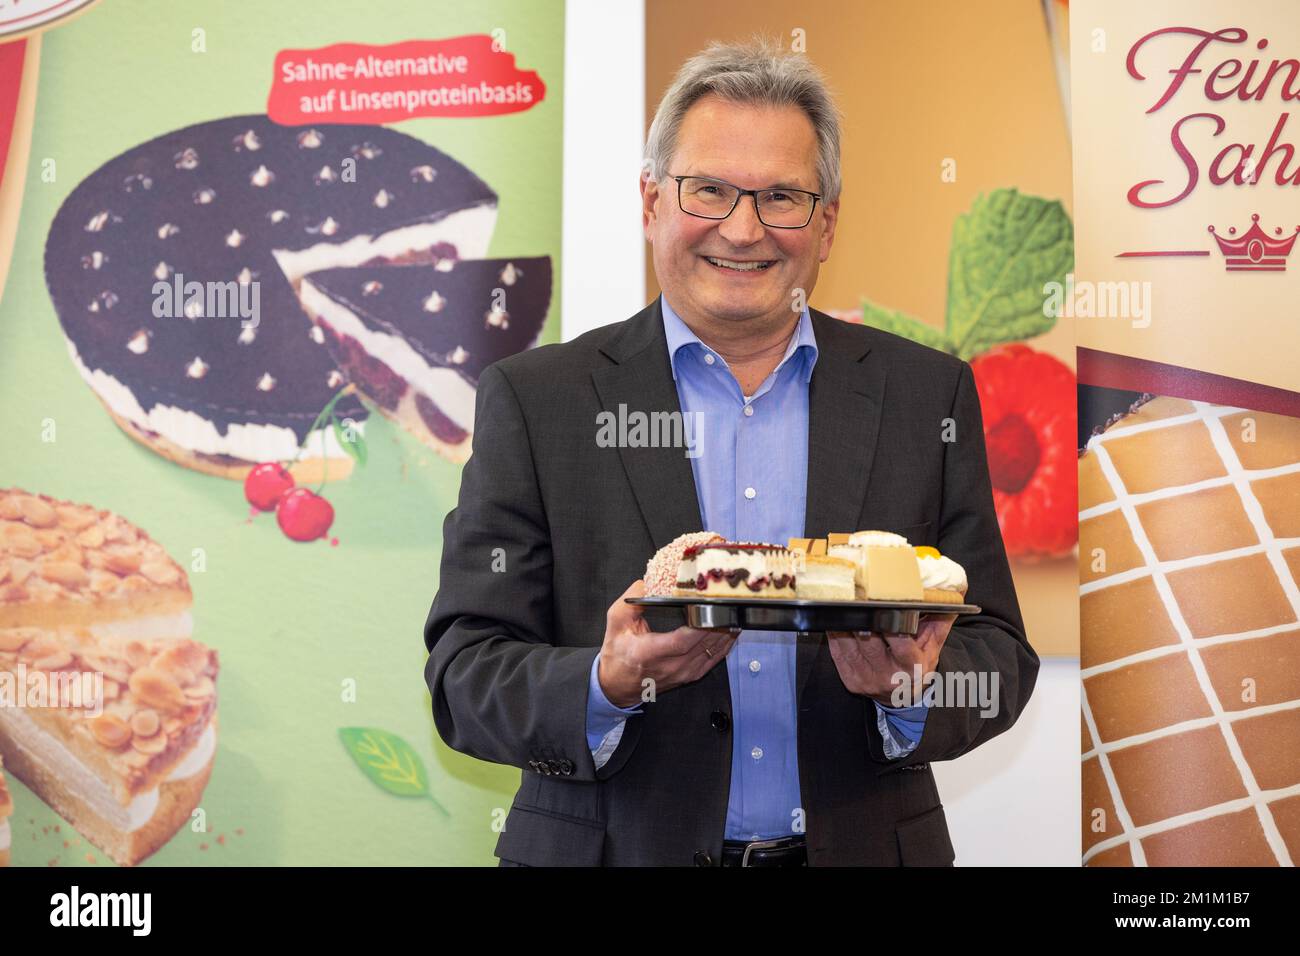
{"x": 757, "y": 72}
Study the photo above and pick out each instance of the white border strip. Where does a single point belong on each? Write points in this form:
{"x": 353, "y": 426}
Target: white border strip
{"x": 603, "y": 248}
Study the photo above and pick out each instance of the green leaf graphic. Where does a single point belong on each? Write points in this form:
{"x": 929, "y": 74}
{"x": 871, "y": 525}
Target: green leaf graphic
{"x": 387, "y": 760}
{"x": 904, "y": 325}
{"x": 1003, "y": 252}
{"x": 356, "y": 447}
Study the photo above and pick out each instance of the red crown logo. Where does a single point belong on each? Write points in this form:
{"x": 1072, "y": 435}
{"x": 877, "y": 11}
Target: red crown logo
{"x": 1255, "y": 250}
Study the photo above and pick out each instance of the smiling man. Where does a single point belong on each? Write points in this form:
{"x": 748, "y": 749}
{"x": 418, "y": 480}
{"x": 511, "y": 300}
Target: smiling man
{"x": 642, "y": 742}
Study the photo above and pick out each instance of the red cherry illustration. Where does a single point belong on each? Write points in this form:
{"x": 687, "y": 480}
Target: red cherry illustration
{"x": 304, "y": 515}
{"x": 265, "y": 484}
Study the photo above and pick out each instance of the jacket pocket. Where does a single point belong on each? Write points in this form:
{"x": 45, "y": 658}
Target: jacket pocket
{"x": 923, "y": 840}
{"x": 537, "y": 837}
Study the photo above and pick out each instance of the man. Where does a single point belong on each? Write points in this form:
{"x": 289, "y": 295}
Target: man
{"x": 671, "y": 745}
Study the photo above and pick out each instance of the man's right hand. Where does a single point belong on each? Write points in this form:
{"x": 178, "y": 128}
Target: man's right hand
{"x": 632, "y": 653}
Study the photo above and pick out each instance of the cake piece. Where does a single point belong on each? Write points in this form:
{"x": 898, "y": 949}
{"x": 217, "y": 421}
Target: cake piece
{"x": 415, "y": 338}
{"x": 943, "y": 580}
{"x": 736, "y": 569}
{"x": 127, "y": 750}
{"x": 661, "y": 570}
{"x": 89, "y": 601}
{"x": 65, "y": 564}
{"x": 820, "y": 577}
{"x": 160, "y": 260}
{"x": 886, "y": 564}
{"x": 6, "y": 811}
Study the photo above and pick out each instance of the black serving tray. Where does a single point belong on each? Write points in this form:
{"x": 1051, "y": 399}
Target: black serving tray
{"x": 791, "y": 614}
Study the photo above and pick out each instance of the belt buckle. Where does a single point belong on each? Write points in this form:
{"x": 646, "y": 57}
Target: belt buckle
{"x": 760, "y": 845}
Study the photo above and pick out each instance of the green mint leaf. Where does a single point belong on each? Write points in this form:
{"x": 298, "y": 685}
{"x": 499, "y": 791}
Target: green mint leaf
{"x": 904, "y": 325}
{"x": 387, "y": 760}
{"x": 1003, "y": 252}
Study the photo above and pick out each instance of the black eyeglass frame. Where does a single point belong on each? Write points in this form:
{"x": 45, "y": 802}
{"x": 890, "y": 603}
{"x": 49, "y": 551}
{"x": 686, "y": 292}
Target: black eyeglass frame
{"x": 740, "y": 194}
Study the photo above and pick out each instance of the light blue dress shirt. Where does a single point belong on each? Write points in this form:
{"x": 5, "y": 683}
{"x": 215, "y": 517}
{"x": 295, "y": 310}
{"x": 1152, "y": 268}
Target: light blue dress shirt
{"x": 751, "y": 480}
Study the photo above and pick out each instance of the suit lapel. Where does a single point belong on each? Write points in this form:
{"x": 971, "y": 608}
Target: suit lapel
{"x": 662, "y": 479}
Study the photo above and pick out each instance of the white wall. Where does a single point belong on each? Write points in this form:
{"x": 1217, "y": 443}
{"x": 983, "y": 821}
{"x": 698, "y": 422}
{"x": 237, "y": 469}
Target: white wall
{"x": 604, "y": 91}
{"x": 1014, "y": 801}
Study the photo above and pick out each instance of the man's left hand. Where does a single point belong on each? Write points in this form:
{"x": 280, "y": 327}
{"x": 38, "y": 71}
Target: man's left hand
{"x": 870, "y": 662}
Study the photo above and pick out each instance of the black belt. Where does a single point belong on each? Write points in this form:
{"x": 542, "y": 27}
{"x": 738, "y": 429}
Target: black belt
{"x": 786, "y": 851}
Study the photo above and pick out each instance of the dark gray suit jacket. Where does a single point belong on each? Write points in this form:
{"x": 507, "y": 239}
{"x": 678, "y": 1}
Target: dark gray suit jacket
{"x": 511, "y": 650}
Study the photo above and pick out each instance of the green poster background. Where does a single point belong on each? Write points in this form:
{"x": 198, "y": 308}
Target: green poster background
{"x": 291, "y": 622}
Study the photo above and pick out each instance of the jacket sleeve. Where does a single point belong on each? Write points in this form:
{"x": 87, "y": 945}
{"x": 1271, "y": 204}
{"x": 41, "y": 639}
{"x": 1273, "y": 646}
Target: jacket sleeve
{"x": 986, "y": 659}
{"x": 502, "y": 690}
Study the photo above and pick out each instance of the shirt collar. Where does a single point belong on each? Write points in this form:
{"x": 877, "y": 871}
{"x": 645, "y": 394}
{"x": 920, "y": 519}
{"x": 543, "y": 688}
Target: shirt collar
{"x": 679, "y": 335}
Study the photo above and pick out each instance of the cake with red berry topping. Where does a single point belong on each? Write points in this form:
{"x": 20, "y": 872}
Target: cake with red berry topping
{"x": 414, "y": 338}
{"x": 173, "y": 269}
{"x": 95, "y": 621}
{"x": 661, "y": 570}
{"x": 736, "y": 569}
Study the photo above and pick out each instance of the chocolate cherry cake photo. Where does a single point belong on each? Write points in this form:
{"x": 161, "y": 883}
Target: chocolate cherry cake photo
{"x": 361, "y": 251}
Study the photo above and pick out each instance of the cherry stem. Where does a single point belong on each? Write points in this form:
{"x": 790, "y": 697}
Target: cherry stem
{"x": 326, "y": 414}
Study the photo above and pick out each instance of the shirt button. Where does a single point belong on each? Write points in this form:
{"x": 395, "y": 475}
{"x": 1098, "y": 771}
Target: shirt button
{"x": 755, "y": 667}
{"x": 757, "y": 753}
{"x": 708, "y": 358}
{"x": 749, "y": 410}
{"x": 750, "y": 492}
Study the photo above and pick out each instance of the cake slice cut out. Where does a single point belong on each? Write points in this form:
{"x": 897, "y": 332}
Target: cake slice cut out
{"x": 415, "y": 338}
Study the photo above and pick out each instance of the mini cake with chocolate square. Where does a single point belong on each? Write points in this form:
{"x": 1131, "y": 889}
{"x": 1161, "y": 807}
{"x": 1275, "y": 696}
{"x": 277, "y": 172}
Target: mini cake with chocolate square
{"x": 886, "y": 565}
{"x": 173, "y": 268}
{"x": 414, "y": 338}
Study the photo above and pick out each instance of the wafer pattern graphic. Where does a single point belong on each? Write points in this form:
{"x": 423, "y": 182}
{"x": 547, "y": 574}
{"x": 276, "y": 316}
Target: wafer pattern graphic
{"x": 1190, "y": 618}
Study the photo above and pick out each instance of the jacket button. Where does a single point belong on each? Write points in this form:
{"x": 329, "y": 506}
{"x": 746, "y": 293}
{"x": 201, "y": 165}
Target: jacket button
{"x": 720, "y": 720}
{"x": 532, "y": 764}
{"x": 553, "y": 766}
{"x": 566, "y": 767}
{"x": 702, "y": 858}
{"x": 543, "y": 768}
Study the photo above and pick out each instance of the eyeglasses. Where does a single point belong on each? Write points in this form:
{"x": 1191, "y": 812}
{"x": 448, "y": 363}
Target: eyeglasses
{"x": 716, "y": 199}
